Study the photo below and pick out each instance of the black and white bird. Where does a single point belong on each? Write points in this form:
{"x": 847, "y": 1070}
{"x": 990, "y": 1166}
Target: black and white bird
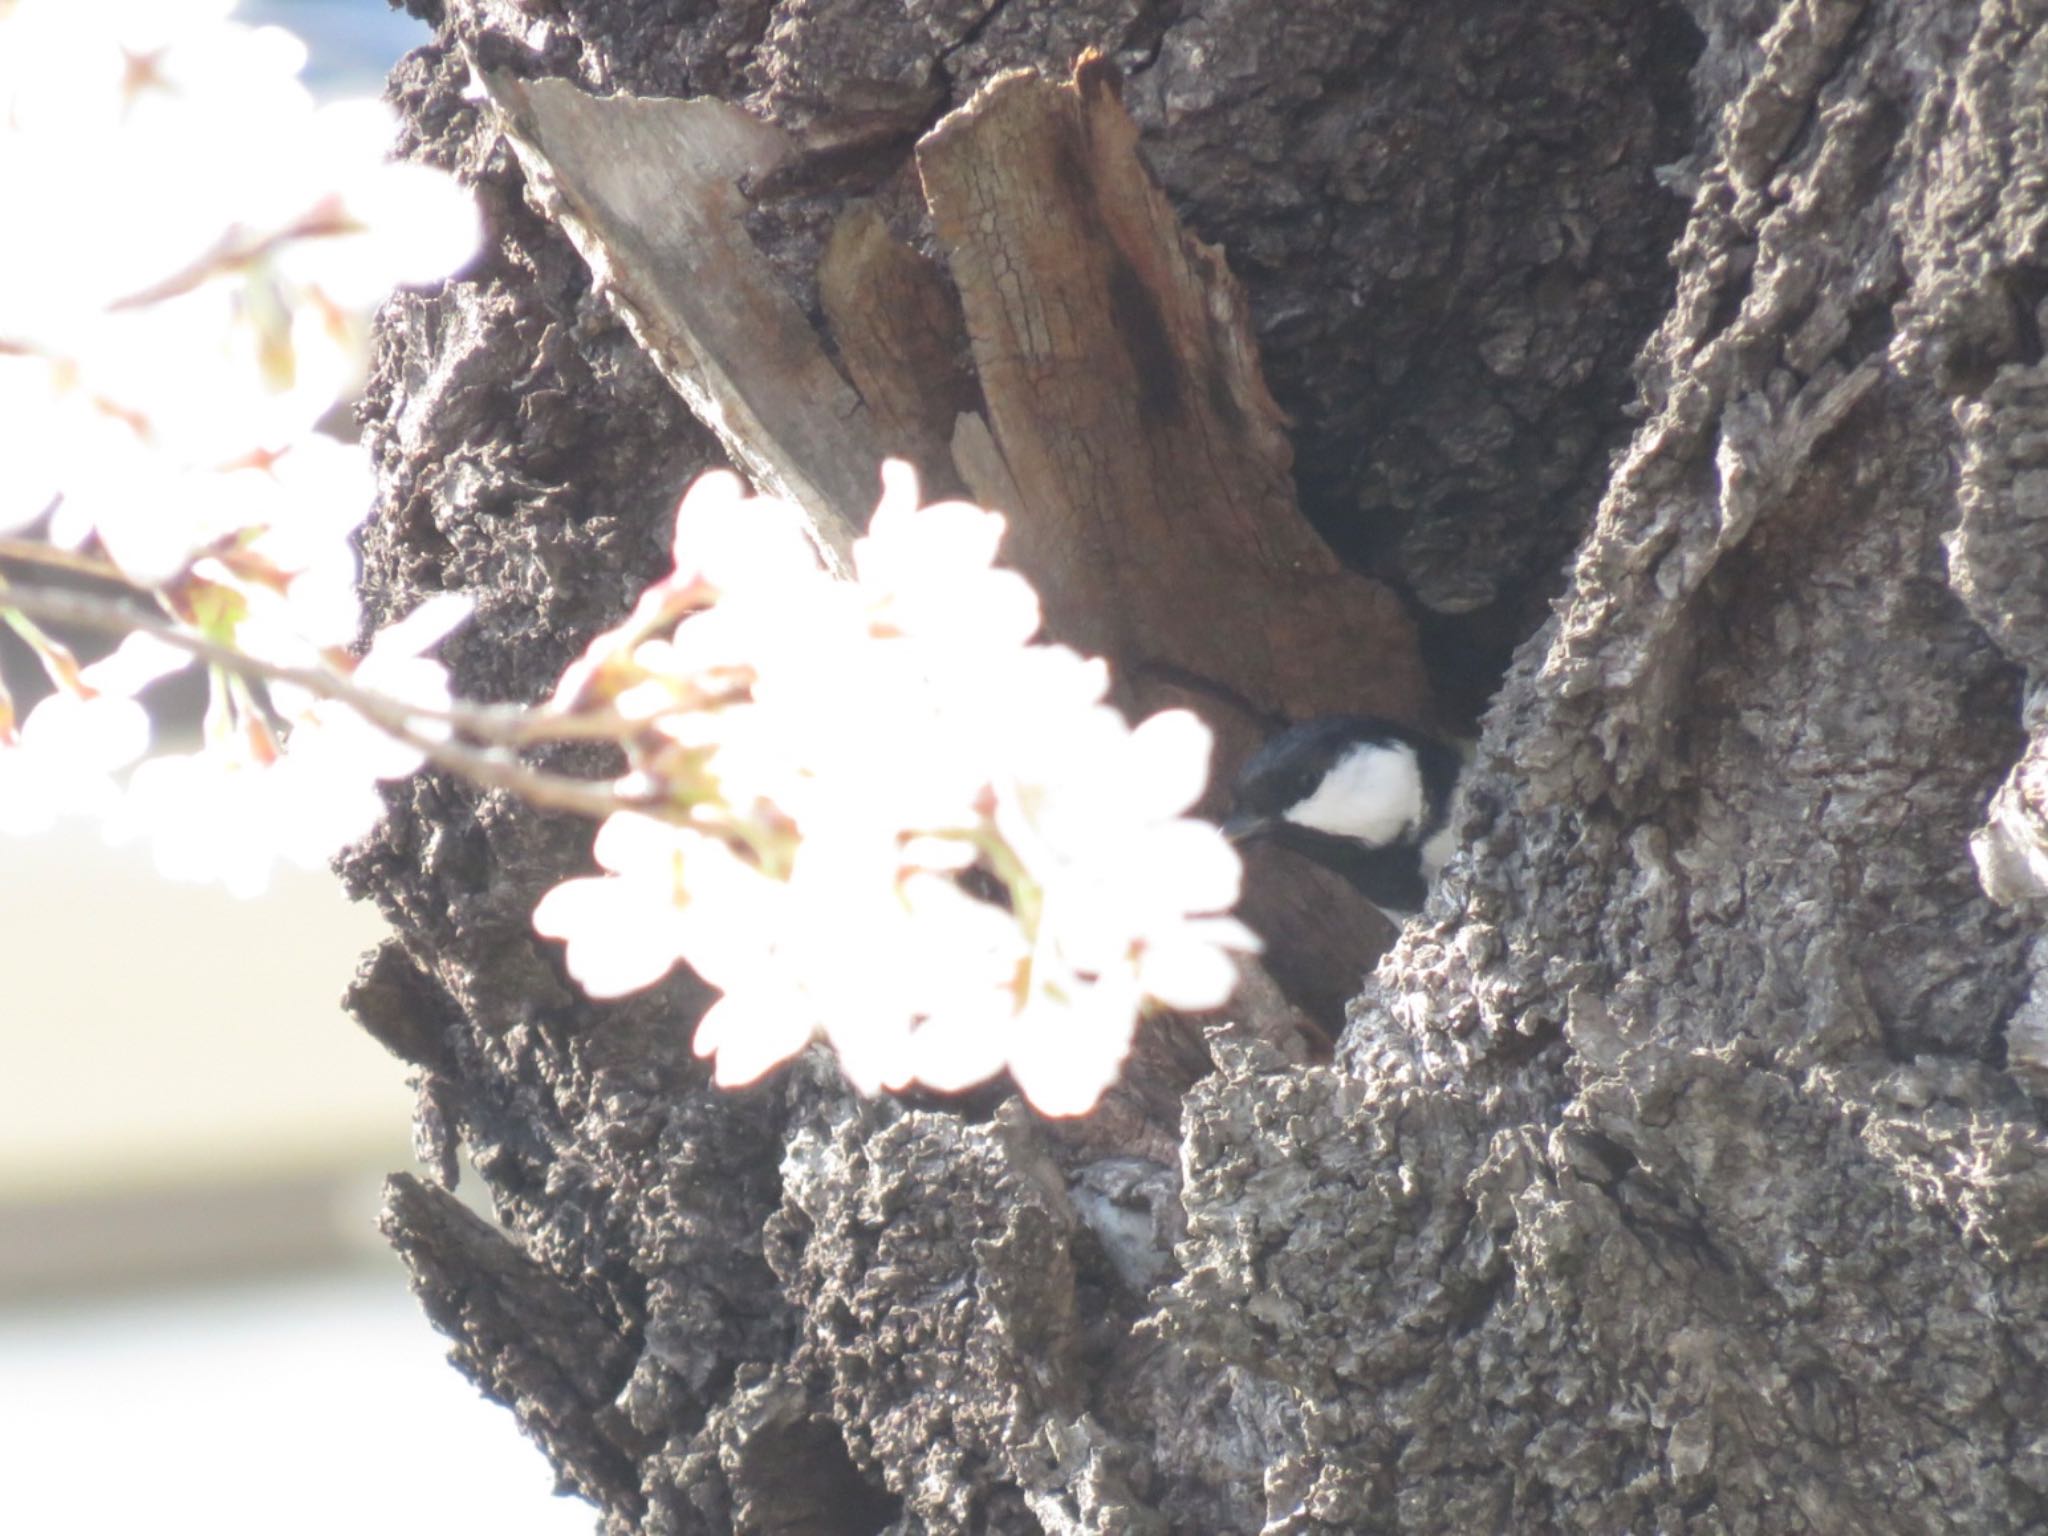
{"x": 1360, "y": 795}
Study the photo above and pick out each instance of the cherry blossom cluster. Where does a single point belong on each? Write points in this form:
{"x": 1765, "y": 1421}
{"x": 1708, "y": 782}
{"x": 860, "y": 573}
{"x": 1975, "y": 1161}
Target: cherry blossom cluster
{"x": 869, "y": 810}
{"x": 195, "y": 250}
{"x": 879, "y": 815}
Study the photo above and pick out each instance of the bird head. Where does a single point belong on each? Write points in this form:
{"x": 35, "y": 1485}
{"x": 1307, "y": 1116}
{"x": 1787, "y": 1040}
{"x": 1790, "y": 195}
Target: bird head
{"x": 1366, "y": 797}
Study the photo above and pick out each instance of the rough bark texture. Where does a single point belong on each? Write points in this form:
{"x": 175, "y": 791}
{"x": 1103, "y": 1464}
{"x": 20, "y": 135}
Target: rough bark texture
{"x": 1682, "y": 1170}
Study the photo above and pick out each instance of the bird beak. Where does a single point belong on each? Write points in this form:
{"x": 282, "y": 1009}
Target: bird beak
{"x": 1243, "y": 826}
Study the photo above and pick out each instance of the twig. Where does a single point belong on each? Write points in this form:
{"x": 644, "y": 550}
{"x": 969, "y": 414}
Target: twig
{"x": 35, "y": 552}
{"x": 498, "y": 726}
{"x": 490, "y": 769}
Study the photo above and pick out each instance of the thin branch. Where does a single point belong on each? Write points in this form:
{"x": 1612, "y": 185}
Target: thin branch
{"x": 238, "y": 249}
{"x": 550, "y": 791}
{"x": 493, "y": 725}
{"x": 49, "y": 556}
{"x": 398, "y": 720}
{"x": 512, "y": 725}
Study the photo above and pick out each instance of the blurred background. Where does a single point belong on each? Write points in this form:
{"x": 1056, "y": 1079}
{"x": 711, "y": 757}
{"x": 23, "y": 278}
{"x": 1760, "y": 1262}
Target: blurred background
{"x": 198, "y": 1322}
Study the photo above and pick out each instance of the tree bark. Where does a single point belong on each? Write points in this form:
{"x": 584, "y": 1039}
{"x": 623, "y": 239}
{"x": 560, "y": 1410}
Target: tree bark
{"x": 1682, "y": 1169}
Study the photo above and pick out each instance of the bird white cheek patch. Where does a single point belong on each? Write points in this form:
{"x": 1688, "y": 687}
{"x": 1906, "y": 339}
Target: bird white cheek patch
{"x": 1373, "y": 794}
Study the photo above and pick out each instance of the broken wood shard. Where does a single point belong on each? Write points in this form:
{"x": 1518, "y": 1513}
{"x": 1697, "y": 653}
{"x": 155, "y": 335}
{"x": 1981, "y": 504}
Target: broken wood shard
{"x": 647, "y": 189}
{"x": 1115, "y": 353}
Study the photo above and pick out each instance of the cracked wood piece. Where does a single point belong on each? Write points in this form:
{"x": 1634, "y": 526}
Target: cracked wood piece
{"x": 646, "y": 189}
{"x": 1156, "y": 509}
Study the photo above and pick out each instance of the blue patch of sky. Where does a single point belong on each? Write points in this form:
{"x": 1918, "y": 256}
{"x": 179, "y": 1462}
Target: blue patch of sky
{"x": 350, "y": 44}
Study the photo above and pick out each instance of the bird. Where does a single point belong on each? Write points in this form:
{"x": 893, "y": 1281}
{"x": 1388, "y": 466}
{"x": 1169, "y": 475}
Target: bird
{"x": 1365, "y": 797}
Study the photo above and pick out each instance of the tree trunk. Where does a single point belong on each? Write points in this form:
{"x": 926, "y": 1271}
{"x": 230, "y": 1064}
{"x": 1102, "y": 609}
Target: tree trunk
{"x": 1682, "y": 1169}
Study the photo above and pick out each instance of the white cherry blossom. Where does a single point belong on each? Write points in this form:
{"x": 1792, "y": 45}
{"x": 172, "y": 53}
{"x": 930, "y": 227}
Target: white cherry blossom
{"x": 625, "y": 929}
{"x": 331, "y": 739}
{"x": 866, "y": 806}
{"x": 208, "y": 818}
{"x": 63, "y": 762}
{"x": 855, "y": 747}
{"x": 223, "y": 243}
{"x": 162, "y": 369}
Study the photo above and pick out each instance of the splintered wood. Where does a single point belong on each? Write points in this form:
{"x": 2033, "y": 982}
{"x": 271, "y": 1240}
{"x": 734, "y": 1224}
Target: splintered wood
{"x": 647, "y": 190}
{"x": 1124, "y": 424}
{"x": 1122, "y": 385}
{"x": 1074, "y": 359}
